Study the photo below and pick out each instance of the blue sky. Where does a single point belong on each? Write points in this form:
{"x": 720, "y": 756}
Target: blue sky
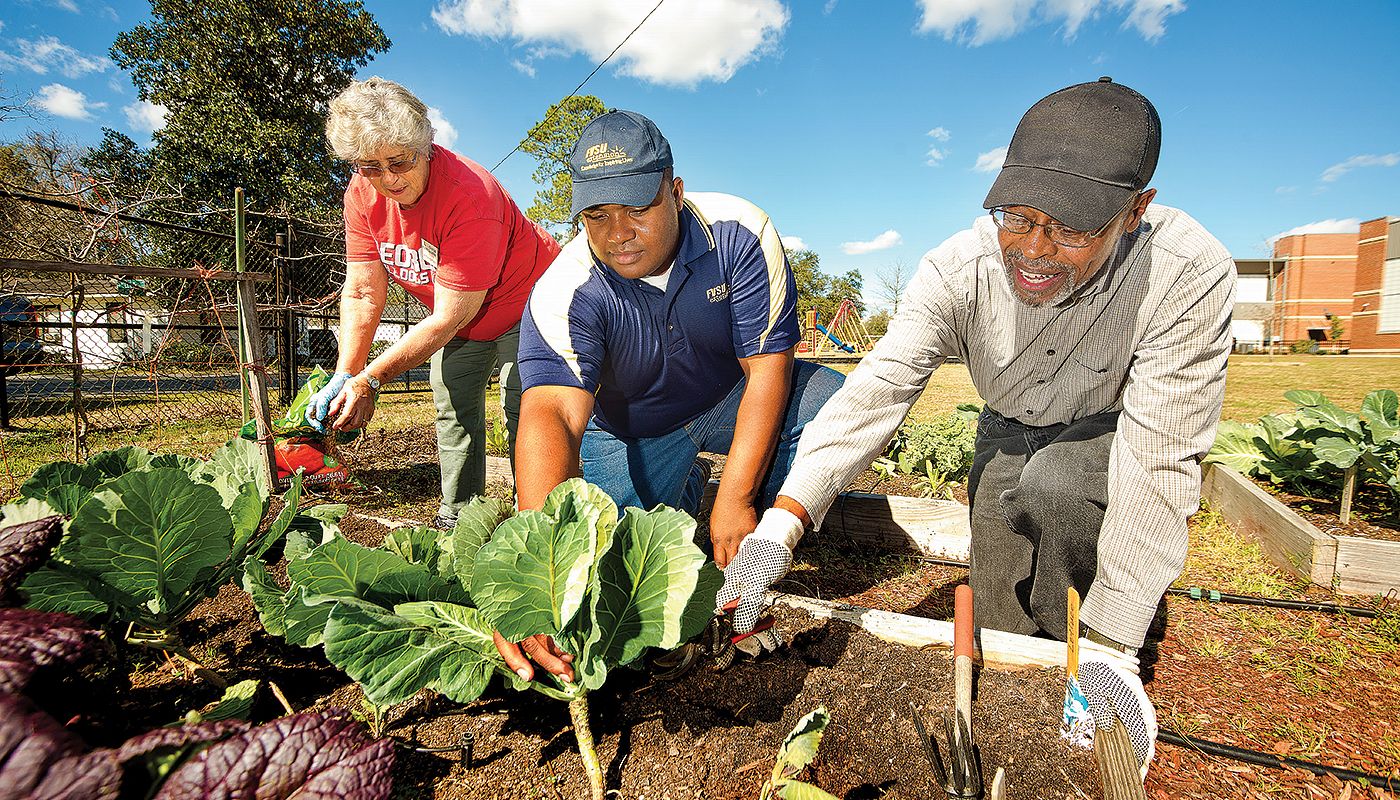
{"x": 868, "y": 129}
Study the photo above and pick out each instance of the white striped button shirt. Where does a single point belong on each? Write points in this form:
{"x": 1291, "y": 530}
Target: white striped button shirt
{"x": 1147, "y": 336}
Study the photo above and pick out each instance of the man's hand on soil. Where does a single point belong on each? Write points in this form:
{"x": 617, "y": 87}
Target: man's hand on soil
{"x": 541, "y": 650}
{"x": 762, "y": 559}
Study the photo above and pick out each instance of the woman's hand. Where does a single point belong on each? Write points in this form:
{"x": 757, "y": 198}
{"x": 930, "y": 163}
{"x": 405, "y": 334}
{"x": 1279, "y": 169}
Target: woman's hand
{"x": 354, "y": 406}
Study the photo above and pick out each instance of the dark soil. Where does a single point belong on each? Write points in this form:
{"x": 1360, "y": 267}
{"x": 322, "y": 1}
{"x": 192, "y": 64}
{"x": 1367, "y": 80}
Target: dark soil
{"x": 1374, "y": 514}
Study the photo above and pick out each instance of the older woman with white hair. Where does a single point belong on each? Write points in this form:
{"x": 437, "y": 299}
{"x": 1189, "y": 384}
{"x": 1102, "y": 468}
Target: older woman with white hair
{"x": 444, "y": 229}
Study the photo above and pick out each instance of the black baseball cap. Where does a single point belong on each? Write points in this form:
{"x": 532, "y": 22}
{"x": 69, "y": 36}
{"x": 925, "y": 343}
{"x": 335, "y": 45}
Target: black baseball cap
{"x": 619, "y": 158}
{"x": 1080, "y": 154}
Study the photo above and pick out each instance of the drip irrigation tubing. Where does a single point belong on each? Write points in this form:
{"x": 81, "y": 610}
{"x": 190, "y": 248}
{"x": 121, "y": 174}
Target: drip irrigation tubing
{"x": 1216, "y": 596}
{"x": 1272, "y": 761}
{"x": 1213, "y": 596}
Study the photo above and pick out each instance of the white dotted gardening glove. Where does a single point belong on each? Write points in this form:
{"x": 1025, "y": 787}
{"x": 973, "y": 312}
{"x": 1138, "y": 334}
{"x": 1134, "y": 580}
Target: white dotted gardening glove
{"x": 1103, "y": 679}
{"x": 320, "y": 403}
{"x": 763, "y": 558}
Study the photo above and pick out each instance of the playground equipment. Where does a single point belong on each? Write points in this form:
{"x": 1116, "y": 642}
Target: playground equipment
{"x": 845, "y": 333}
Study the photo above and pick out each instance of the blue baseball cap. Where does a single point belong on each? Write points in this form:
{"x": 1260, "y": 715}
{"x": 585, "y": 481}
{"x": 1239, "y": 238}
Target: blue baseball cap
{"x": 619, "y": 158}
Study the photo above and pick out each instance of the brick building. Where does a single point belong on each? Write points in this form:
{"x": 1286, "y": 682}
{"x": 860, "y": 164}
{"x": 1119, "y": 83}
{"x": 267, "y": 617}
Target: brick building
{"x": 1375, "y": 312}
{"x": 1317, "y": 283}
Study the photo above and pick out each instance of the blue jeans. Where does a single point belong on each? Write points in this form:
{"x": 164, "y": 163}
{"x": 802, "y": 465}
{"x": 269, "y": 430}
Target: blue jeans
{"x": 645, "y": 472}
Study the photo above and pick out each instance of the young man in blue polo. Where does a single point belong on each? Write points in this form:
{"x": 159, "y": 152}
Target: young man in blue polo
{"x": 666, "y": 330}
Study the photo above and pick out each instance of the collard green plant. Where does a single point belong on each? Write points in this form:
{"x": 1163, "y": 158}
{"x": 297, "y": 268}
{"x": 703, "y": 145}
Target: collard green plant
{"x": 1319, "y": 444}
{"x": 149, "y": 537}
{"x": 798, "y": 750}
{"x": 940, "y": 449}
{"x": 420, "y": 610}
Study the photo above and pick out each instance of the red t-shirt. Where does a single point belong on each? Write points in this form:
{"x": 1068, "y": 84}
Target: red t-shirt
{"x": 464, "y": 233}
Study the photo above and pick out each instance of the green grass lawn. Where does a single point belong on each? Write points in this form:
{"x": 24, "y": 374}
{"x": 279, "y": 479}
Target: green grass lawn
{"x": 1254, "y": 385}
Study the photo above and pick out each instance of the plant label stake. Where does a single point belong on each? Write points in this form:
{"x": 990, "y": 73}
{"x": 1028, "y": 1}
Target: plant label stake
{"x": 1077, "y": 723}
{"x": 962, "y": 775}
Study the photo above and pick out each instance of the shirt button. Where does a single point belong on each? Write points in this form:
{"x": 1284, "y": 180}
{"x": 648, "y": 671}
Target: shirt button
{"x": 670, "y": 327}
{"x": 1049, "y": 352}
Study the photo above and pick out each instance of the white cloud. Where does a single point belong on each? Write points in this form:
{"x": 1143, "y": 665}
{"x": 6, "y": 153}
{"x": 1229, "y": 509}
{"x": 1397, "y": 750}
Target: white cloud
{"x": 991, "y": 160}
{"x": 977, "y": 22}
{"x": 444, "y": 132}
{"x": 829, "y": 7}
{"x": 523, "y": 67}
{"x": 1336, "y": 171}
{"x": 145, "y": 117}
{"x": 47, "y": 52}
{"x": 794, "y": 243}
{"x": 935, "y": 153}
{"x": 884, "y": 241}
{"x": 62, "y": 101}
{"x": 1349, "y": 225}
{"x": 67, "y": 5}
{"x": 682, "y": 43}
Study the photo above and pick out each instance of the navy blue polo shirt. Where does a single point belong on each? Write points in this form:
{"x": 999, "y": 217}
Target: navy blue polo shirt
{"x": 656, "y": 360}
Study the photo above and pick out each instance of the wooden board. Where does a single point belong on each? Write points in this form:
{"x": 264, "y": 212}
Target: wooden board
{"x": 992, "y": 648}
{"x": 1290, "y": 541}
{"x": 1367, "y": 566}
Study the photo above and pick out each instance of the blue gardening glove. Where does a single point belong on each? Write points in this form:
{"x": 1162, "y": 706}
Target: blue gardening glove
{"x": 320, "y": 403}
{"x": 763, "y": 558}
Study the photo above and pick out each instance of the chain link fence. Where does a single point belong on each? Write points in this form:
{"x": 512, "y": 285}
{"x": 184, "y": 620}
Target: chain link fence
{"x": 120, "y": 327}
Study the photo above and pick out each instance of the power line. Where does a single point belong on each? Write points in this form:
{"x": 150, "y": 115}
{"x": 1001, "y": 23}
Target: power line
{"x": 590, "y": 75}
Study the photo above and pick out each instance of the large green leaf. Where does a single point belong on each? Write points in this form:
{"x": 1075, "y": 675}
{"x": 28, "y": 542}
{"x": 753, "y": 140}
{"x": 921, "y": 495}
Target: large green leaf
{"x": 246, "y": 512}
{"x": 56, "y": 588}
{"x": 800, "y": 747}
{"x": 531, "y": 577}
{"x": 239, "y": 461}
{"x": 321, "y": 523}
{"x": 116, "y": 463}
{"x": 150, "y": 536}
{"x": 475, "y": 524}
{"x": 342, "y": 569}
{"x": 577, "y": 499}
{"x": 63, "y": 485}
{"x": 646, "y": 581}
{"x": 414, "y": 544}
{"x": 1236, "y": 448}
{"x": 1380, "y": 410}
{"x": 440, "y": 646}
{"x": 1339, "y": 452}
{"x": 797, "y": 790}
{"x": 280, "y": 525}
{"x": 26, "y": 510}
{"x": 1318, "y": 408}
{"x": 268, "y": 598}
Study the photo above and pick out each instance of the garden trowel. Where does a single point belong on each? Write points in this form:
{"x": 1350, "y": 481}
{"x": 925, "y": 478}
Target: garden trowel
{"x": 961, "y": 775}
{"x": 724, "y": 646}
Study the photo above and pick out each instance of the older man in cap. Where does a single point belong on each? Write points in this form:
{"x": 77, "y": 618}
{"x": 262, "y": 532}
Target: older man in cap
{"x": 1095, "y": 325}
{"x": 666, "y": 330}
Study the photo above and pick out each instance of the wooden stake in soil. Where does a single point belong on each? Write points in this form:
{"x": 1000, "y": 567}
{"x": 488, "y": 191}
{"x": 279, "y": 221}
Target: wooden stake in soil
{"x": 1118, "y": 764}
{"x": 250, "y": 336}
{"x": 1348, "y": 489}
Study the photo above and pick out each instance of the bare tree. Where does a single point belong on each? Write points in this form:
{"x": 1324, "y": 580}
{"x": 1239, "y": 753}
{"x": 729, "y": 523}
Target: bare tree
{"x": 891, "y": 282}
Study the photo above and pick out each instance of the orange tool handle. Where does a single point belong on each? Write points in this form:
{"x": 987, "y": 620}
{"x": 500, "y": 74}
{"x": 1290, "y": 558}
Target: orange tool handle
{"x": 962, "y": 621}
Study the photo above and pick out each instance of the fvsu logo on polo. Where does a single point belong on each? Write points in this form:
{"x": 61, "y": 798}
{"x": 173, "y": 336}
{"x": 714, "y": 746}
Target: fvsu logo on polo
{"x": 717, "y": 293}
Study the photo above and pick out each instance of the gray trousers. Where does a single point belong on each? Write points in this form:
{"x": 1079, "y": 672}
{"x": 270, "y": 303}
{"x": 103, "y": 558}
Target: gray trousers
{"x": 1038, "y": 496}
{"x": 459, "y": 374}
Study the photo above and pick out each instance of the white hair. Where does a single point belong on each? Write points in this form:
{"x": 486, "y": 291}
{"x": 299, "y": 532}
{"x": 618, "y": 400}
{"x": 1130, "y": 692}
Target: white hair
{"x": 377, "y": 113}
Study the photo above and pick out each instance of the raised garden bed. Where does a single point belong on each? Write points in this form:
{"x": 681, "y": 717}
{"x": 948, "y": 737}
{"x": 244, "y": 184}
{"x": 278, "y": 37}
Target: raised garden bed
{"x": 1348, "y": 564}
